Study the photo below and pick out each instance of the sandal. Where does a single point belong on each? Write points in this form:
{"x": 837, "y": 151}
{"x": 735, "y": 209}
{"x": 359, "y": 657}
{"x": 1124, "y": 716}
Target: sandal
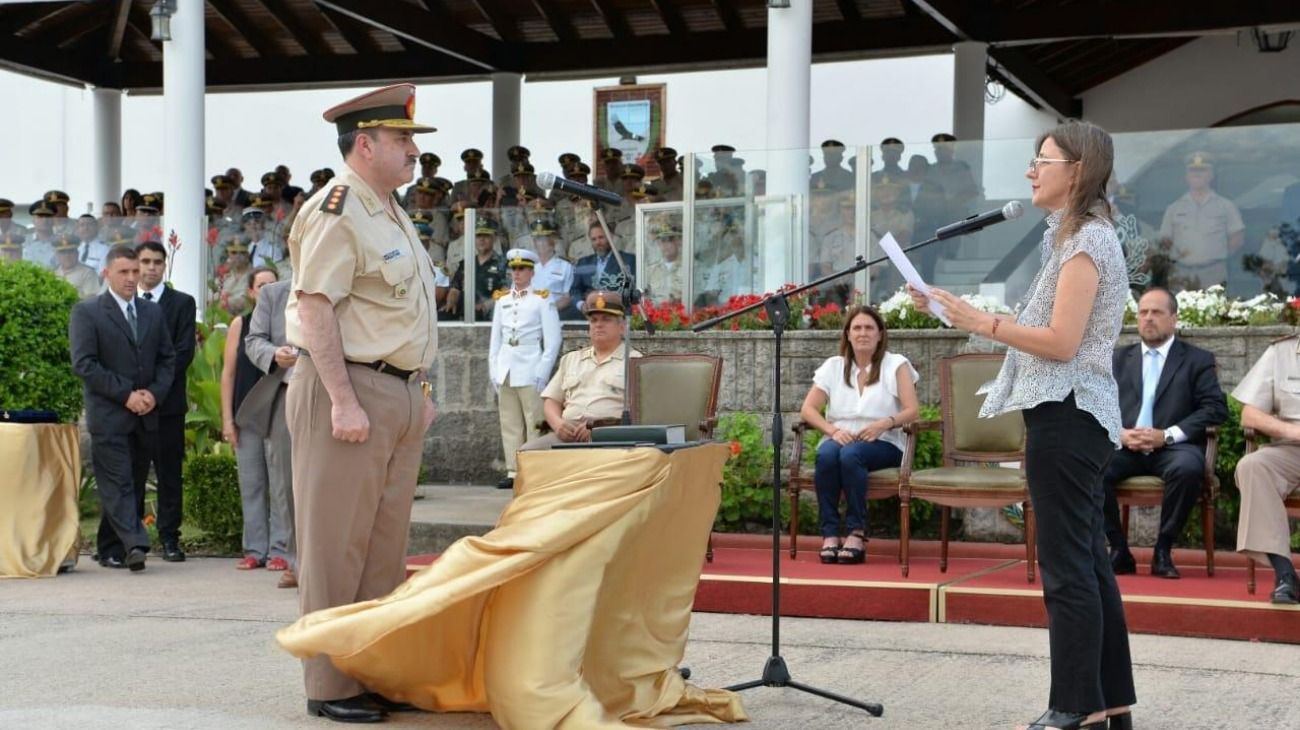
{"x": 249, "y": 563}
{"x": 829, "y": 553}
{"x": 853, "y": 556}
{"x": 1057, "y": 720}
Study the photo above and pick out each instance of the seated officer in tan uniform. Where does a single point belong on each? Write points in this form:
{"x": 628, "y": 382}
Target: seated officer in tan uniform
{"x": 1270, "y": 404}
{"x": 587, "y": 390}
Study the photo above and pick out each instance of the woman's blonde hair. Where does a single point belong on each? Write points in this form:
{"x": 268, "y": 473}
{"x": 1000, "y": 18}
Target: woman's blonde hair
{"x": 846, "y": 349}
{"x": 1091, "y": 147}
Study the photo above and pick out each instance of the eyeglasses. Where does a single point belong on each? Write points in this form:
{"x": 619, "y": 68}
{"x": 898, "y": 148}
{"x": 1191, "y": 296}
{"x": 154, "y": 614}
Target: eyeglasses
{"x": 1035, "y": 163}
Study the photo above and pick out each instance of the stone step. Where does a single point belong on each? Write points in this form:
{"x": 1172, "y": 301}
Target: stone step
{"x": 444, "y": 513}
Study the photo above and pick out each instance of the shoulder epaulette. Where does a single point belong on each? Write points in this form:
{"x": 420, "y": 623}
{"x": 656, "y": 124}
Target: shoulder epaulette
{"x": 1283, "y": 339}
{"x": 543, "y": 293}
{"x": 500, "y": 293}
{"x": 333, "y": 202}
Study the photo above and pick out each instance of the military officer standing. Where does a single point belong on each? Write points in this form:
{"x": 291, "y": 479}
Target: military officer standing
{"x": 11, "y": 246}
{"x": 361, "y": 311}
{"x": 7, "y": 224}
{"x": 39, "y": 248}
{"x": 524, "y": 346}
{"x": 472, "y": 161}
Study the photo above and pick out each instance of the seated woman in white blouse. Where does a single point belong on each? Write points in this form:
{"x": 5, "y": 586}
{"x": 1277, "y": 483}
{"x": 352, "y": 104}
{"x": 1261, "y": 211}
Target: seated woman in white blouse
{"x": 868, "y": 394}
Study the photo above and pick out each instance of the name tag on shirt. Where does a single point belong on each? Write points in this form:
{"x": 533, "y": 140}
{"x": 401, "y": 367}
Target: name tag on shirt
{"x": 394, "y": 254}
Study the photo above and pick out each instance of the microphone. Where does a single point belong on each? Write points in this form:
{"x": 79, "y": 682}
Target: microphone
{"x": 551, "y": 181}
{"x": 978, "y": 222}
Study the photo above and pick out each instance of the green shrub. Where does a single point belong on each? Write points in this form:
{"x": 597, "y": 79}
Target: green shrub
{"x": 212, "y": 498}
{"x": 35, "y": 359}
{"x": 203, "y": 386}
{"x": 746, "y": 477}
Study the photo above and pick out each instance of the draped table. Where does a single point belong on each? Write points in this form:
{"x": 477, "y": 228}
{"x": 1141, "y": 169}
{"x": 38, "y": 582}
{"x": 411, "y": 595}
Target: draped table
{"x": 572, "y": 613}
{"x": 40, "y": 472}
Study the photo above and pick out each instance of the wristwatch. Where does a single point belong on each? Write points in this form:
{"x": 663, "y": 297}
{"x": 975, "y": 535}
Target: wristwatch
{"x": 1169, "y": 439}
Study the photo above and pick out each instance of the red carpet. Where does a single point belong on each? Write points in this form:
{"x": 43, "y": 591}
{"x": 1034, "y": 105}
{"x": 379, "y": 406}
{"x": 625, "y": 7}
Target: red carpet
{"x": 984, "y": 584}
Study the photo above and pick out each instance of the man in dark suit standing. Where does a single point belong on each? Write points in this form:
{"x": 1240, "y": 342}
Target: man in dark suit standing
{"x": 168, "y": 453}
{"x": 599, "y": 271}
{"x": 122, "y": 352}
{"x": 1168, "y": 394}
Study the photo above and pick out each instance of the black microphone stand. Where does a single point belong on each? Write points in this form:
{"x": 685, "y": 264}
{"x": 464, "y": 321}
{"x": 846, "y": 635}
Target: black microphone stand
{"x": 777, "y": 306}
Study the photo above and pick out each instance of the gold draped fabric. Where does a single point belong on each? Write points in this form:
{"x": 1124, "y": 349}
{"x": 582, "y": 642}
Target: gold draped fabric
{"x": 572, "y": 613}
{"x": 40, "y": 472}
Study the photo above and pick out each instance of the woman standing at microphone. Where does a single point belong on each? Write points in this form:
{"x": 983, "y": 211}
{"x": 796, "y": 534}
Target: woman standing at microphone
{"x": 1058, "y": 372}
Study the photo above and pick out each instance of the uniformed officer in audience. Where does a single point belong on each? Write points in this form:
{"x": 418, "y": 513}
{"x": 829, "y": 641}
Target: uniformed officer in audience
{"x": 665, "y": 277}
{"x": 1269, "y": 405}
{"x": 67, "y": 248}
{"x": 223, "y": 189}
{"x": 833, "y": 175}
{"x": 456, "y": 242}
{"x": 93, "y": 249}
{"x": 7, "y": 224}
{"x": 578, "y": 172}
{"x": 728, "y": 176}
{"x": 588, "y": 388}
{"x": 1206, "y": 228}
{"x": 611, "y": 161}
{"x": 625, "y": 227}
{"x": 319, "y": 179}
{"x": 489, "y": 271}
{"x": 516, "y": 155}
{"x": 429, "y": 164}
{"x": 524, "y": 345}
{"x": 480, "y": 192}
{"x": 39, "y": 248}
{"x": 472, "y": 162}
{"x": 670, "y": 178}
{"x": 59, "y": 201}
{"x": 567, "y": 160}
{"x": 233, "y": 294}
{"x": 552, "y": 272}
{"x": 11, "y": 245}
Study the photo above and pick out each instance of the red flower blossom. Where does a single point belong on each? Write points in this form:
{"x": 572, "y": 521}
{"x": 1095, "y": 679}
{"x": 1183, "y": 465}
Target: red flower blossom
{"x": 735, "y": 448}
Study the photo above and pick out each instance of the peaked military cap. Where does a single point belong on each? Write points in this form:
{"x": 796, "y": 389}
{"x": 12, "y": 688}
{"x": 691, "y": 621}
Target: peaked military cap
{"x": 428, "y": 158}
{"x": 392, "y": 106}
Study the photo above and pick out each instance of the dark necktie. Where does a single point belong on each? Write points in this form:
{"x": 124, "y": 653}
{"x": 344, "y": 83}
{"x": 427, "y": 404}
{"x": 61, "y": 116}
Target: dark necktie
{"x": 130, "y": 319}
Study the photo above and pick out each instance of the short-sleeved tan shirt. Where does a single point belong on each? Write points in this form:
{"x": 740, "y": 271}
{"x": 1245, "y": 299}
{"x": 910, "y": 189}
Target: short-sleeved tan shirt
{"x": 589, "y": 389}
{"x": 1273, "y": 383}
{"x": 1200, "y": 231}
{"x": 371, "y": 266}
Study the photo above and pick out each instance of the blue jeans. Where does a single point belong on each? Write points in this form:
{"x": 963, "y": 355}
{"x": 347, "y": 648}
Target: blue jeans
{"x": 843, "y": 470}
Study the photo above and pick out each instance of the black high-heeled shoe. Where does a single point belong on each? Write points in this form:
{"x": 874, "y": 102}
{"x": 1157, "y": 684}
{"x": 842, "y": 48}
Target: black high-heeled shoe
{"x": 1122, "y": 721}
{"x": 853, "y": 556}
{"x": 829, "y": 553}
{"x": 1065, "y": 721}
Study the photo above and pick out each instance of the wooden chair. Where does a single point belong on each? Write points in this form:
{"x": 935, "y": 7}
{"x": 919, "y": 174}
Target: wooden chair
{"x": 677, "y": 388}
{"x": 1148, "y": 491}
{"x": 969, "y": 439}
{"x": 881, "y": 484}
{"x": 1291, "y": 503}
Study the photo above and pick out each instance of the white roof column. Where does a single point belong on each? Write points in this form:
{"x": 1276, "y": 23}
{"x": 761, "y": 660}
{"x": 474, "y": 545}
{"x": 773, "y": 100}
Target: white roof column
{"x": 106, "y": 108}
{"x": 789, "y": 100}
{"x": 184, "y": 209}
{"x": 506, "y": 90}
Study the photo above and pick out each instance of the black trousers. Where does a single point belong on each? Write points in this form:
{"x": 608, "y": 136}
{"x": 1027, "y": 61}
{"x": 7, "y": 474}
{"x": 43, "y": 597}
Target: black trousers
{"x": 1066, "y": 451}
{"x": 113, "y": 457}
{"x": 166, "y": 454}
{"x": 1181, "y": 466}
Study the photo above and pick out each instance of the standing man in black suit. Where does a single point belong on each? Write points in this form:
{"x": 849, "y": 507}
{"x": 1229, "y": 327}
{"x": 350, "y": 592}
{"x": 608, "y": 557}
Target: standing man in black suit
{"x": 168, "y": 453}
{"x": 122, "y": 352}
{"x": 599, "y": 271}
{"x": 1169, "y": 394}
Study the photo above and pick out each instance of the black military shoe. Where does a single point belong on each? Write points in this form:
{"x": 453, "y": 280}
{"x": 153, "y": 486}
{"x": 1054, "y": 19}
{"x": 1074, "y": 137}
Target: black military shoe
{"x": 507, "y": 483}
{"x": 352, "y": 709}
{"x": 1162, "y": 565}
{"x": 172, "y": 553}
{"x": 1122, "y": 562}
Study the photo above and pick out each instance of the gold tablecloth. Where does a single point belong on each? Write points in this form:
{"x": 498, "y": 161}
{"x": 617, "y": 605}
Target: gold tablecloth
{"x": 40, "y": 472}
{"x": 572, "y": 613}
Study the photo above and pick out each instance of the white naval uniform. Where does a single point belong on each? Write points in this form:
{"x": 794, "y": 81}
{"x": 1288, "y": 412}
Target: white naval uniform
{"x": 524, "y": 345}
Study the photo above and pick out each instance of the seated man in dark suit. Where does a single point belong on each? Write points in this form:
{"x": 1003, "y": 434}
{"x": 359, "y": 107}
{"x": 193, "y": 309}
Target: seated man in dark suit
{"x": 122, "y": 351}
{"x": 599, "y": 271}
{"x": 1169, "y": 394}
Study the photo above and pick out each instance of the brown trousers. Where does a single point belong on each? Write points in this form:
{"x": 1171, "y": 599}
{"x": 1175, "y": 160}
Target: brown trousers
{"x": 352, "y": 501}
{"x": 1265, "y": 478}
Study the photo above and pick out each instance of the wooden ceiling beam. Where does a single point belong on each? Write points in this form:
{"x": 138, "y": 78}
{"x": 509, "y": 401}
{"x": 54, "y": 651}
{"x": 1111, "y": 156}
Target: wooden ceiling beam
{"x": 244, "y": 25}
{"x": 311, "y": 41}
{"x": 117, "y": 29}
{"x": 613, "y": 18}
{"x": 671, "y": 16}
{"x": 500, "y": 21}
{"x": 356, "y": 34}
{"x": 429, "y": 31}
{"x": 308, "y": 71}
{"x": 849, "y": 9}
{"x": 726, "y": 10}
{"x": 558, "y": 20}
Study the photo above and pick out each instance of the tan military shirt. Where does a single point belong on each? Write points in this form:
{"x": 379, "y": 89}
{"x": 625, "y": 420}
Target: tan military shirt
{"x": 82, "y": 278}
{"x": 235, "y": 287}
{"x": 589, "y": 389}
{"x": 664, "y": 280}
{"x": 368, "y": 261}
{"x": 1273, "y": 383}
{"x": 1200, "y": 231}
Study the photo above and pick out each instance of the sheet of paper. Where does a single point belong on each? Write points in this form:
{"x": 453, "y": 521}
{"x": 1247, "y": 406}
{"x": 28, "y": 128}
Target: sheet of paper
{"x": 910, "y": 274}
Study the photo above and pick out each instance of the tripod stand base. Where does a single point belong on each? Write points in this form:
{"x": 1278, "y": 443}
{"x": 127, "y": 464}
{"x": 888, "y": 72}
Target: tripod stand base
{"x": 775, "y": 674}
